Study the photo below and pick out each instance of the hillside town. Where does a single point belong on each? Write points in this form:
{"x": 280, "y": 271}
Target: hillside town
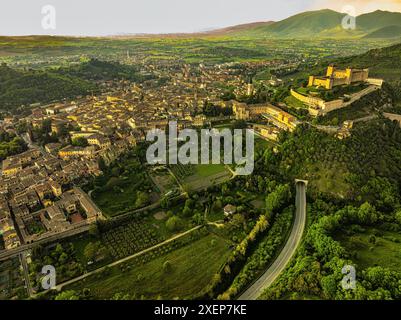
{"x": 39, "y": 188}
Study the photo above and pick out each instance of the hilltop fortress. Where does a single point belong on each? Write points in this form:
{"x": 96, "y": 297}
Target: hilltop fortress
{"x": 336, "y": 77}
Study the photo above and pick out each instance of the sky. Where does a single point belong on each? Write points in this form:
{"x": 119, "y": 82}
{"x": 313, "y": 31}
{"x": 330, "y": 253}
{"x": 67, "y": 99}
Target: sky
{"x": 114, "y": 17}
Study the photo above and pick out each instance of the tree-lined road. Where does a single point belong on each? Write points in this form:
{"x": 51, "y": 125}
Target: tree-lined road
{"x": 281, "y": 262}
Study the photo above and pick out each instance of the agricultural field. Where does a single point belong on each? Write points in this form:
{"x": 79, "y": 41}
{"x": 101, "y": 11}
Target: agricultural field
{"x": 197, "y": 177}
{"x": 63, "y": 51}
{"x": 169, "y": 272}
{"x": 373, "y": 247}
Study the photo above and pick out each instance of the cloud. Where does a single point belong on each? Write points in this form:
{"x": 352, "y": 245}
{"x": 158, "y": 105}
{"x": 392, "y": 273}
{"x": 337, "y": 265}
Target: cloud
{"x": 361, "y": 6}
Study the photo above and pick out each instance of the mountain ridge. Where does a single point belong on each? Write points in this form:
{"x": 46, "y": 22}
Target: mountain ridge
{"x": 327, "y": 23}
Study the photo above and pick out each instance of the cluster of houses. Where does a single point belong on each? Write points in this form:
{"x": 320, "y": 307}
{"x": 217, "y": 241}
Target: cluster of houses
{"x": 36, "y": 196}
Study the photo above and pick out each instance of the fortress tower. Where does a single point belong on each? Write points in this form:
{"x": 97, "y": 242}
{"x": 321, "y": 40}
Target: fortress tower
{"x": 330, "y": 70}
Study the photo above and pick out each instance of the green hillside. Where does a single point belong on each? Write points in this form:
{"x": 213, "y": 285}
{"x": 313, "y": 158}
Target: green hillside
{"x": 306, "y": 23}
{"x": 389, "y": 32}
{"x": 27, "y": 87}
{"x": 383, "y": 62}
{"x": 378, "y": 19}
{"x": 299, "y": 25}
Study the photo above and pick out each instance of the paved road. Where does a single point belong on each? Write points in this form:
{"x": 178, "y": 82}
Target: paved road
{"x": 367, "y": 118}
{"x": 278, "y": 266}
{"x": 23, "y": 256}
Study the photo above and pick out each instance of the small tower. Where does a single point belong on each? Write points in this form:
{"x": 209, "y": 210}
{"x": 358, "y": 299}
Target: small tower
{"x": 250, "y": 88}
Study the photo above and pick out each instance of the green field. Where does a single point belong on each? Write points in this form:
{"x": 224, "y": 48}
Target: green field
{"x": 207, "y": 170}
{"x": 384, "y": 252}
{"x": 197, "y": 177}
{"x": 192, "y": 268}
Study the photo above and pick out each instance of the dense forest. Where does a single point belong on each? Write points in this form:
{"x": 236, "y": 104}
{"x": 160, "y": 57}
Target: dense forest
{"x": 317, "y": 270}
{"x": 10, "y": 145}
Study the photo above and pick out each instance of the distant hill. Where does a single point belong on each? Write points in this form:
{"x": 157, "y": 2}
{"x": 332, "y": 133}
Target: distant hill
{"x": 303, "y": 24}
{"x": 378, "y": 19}
{"x": 390, "y": 32}
{"x": 324, "y": 23}
{"x": 25, "y": 87}
{"x": 328, "y": 24}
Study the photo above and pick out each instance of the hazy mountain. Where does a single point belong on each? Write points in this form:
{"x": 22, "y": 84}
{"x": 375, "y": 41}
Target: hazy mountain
{"x": 241, "y": 27}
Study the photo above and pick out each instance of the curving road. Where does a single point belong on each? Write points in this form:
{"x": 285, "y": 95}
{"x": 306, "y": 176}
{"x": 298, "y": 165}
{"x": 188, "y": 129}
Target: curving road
{"x": 281, "y": 262}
